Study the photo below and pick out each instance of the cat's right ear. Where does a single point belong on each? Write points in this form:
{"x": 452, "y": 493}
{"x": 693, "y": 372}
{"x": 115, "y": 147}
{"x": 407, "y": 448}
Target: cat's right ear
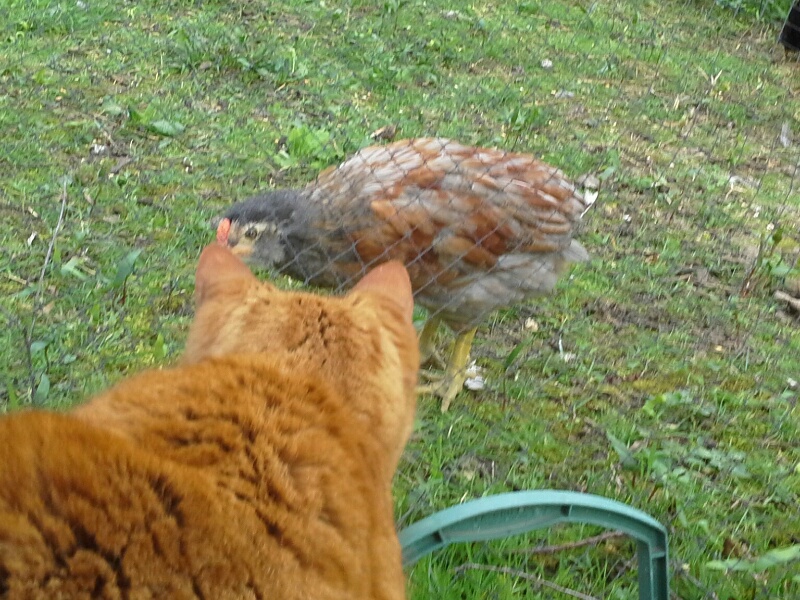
{"x": 390, "y": 280}
{"x": 217, "y": 270}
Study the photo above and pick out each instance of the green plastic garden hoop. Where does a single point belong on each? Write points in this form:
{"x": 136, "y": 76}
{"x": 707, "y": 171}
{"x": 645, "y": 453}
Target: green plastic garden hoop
{"x": 503, "y": 515}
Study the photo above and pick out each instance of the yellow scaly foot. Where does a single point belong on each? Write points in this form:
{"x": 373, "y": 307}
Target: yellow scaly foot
{"x": 447, "y": 385}
{"x": 456, "y": 373}
{"x": 427, "y": 344}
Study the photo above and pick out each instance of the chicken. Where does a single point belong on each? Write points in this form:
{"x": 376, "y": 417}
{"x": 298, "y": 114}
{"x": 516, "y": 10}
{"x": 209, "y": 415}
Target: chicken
{"x": 478, "y": 229}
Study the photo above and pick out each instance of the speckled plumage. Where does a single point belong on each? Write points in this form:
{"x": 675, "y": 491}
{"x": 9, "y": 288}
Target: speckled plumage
{"x": 478, "y": 229}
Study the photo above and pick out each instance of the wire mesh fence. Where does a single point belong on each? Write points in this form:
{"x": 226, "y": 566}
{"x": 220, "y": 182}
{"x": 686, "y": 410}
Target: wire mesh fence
{"x": 661, "y": 372}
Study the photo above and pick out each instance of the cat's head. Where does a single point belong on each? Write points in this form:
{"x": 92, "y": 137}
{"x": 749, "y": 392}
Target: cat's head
{"x": 363, "y": 343}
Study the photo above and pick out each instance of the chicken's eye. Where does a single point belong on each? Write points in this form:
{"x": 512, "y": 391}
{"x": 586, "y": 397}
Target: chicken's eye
{"x": 251, "y": 233}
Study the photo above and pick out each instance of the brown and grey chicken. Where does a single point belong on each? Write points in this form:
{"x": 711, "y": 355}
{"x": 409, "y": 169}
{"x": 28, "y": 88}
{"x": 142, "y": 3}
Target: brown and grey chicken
{"x": 478, "y": 229}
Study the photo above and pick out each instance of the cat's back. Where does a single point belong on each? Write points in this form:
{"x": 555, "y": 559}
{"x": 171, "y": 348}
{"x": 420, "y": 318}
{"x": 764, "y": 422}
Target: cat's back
{"x": 86, "y": 514}
{"x": 232, "y": 478}
{"x": 259, "y": 468}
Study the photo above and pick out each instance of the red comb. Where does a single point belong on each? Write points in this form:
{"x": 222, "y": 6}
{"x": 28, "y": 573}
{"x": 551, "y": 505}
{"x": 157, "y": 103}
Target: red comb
{"x": 222, "y": 231}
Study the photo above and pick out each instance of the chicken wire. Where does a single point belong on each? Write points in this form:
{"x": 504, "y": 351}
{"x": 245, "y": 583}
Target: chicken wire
{"x": 679, "y": 170}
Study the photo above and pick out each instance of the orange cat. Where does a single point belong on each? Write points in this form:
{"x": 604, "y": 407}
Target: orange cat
{"x": 259, "y": 468}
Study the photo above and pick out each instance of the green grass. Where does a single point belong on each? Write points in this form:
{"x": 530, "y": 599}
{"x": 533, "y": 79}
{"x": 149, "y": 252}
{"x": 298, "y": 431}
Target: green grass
{"x": 150, "y": 117}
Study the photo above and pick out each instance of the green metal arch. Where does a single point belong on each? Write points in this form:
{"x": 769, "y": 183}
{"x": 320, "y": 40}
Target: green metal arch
{"x": 503, "y": 515}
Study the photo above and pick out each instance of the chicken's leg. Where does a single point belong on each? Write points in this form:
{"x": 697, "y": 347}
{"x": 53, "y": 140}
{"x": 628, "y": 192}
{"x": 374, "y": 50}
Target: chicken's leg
{"x": 447, "y": 385}
{"x": 427, "y": 340}
{"x": 456, "y": 372}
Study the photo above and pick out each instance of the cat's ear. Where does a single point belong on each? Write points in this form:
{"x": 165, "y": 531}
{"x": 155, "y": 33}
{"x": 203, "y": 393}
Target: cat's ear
{"x": 218, "y": 269}
{"x": 390, "y": 280}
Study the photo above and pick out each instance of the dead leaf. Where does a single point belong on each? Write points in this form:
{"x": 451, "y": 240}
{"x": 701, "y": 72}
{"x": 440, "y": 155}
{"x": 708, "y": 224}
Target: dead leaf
{"x": 385, "y": 133}
{"x": 121, "y": 164}
{"x": 790, "y": 300}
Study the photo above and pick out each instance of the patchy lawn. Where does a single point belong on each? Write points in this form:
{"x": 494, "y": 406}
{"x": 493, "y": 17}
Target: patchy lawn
{"x": 662, "y": 374}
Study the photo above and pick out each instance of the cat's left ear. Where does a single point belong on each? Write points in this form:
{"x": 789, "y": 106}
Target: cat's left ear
{"x": 218, "y": 269}
{"x": 390, "y": 280}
